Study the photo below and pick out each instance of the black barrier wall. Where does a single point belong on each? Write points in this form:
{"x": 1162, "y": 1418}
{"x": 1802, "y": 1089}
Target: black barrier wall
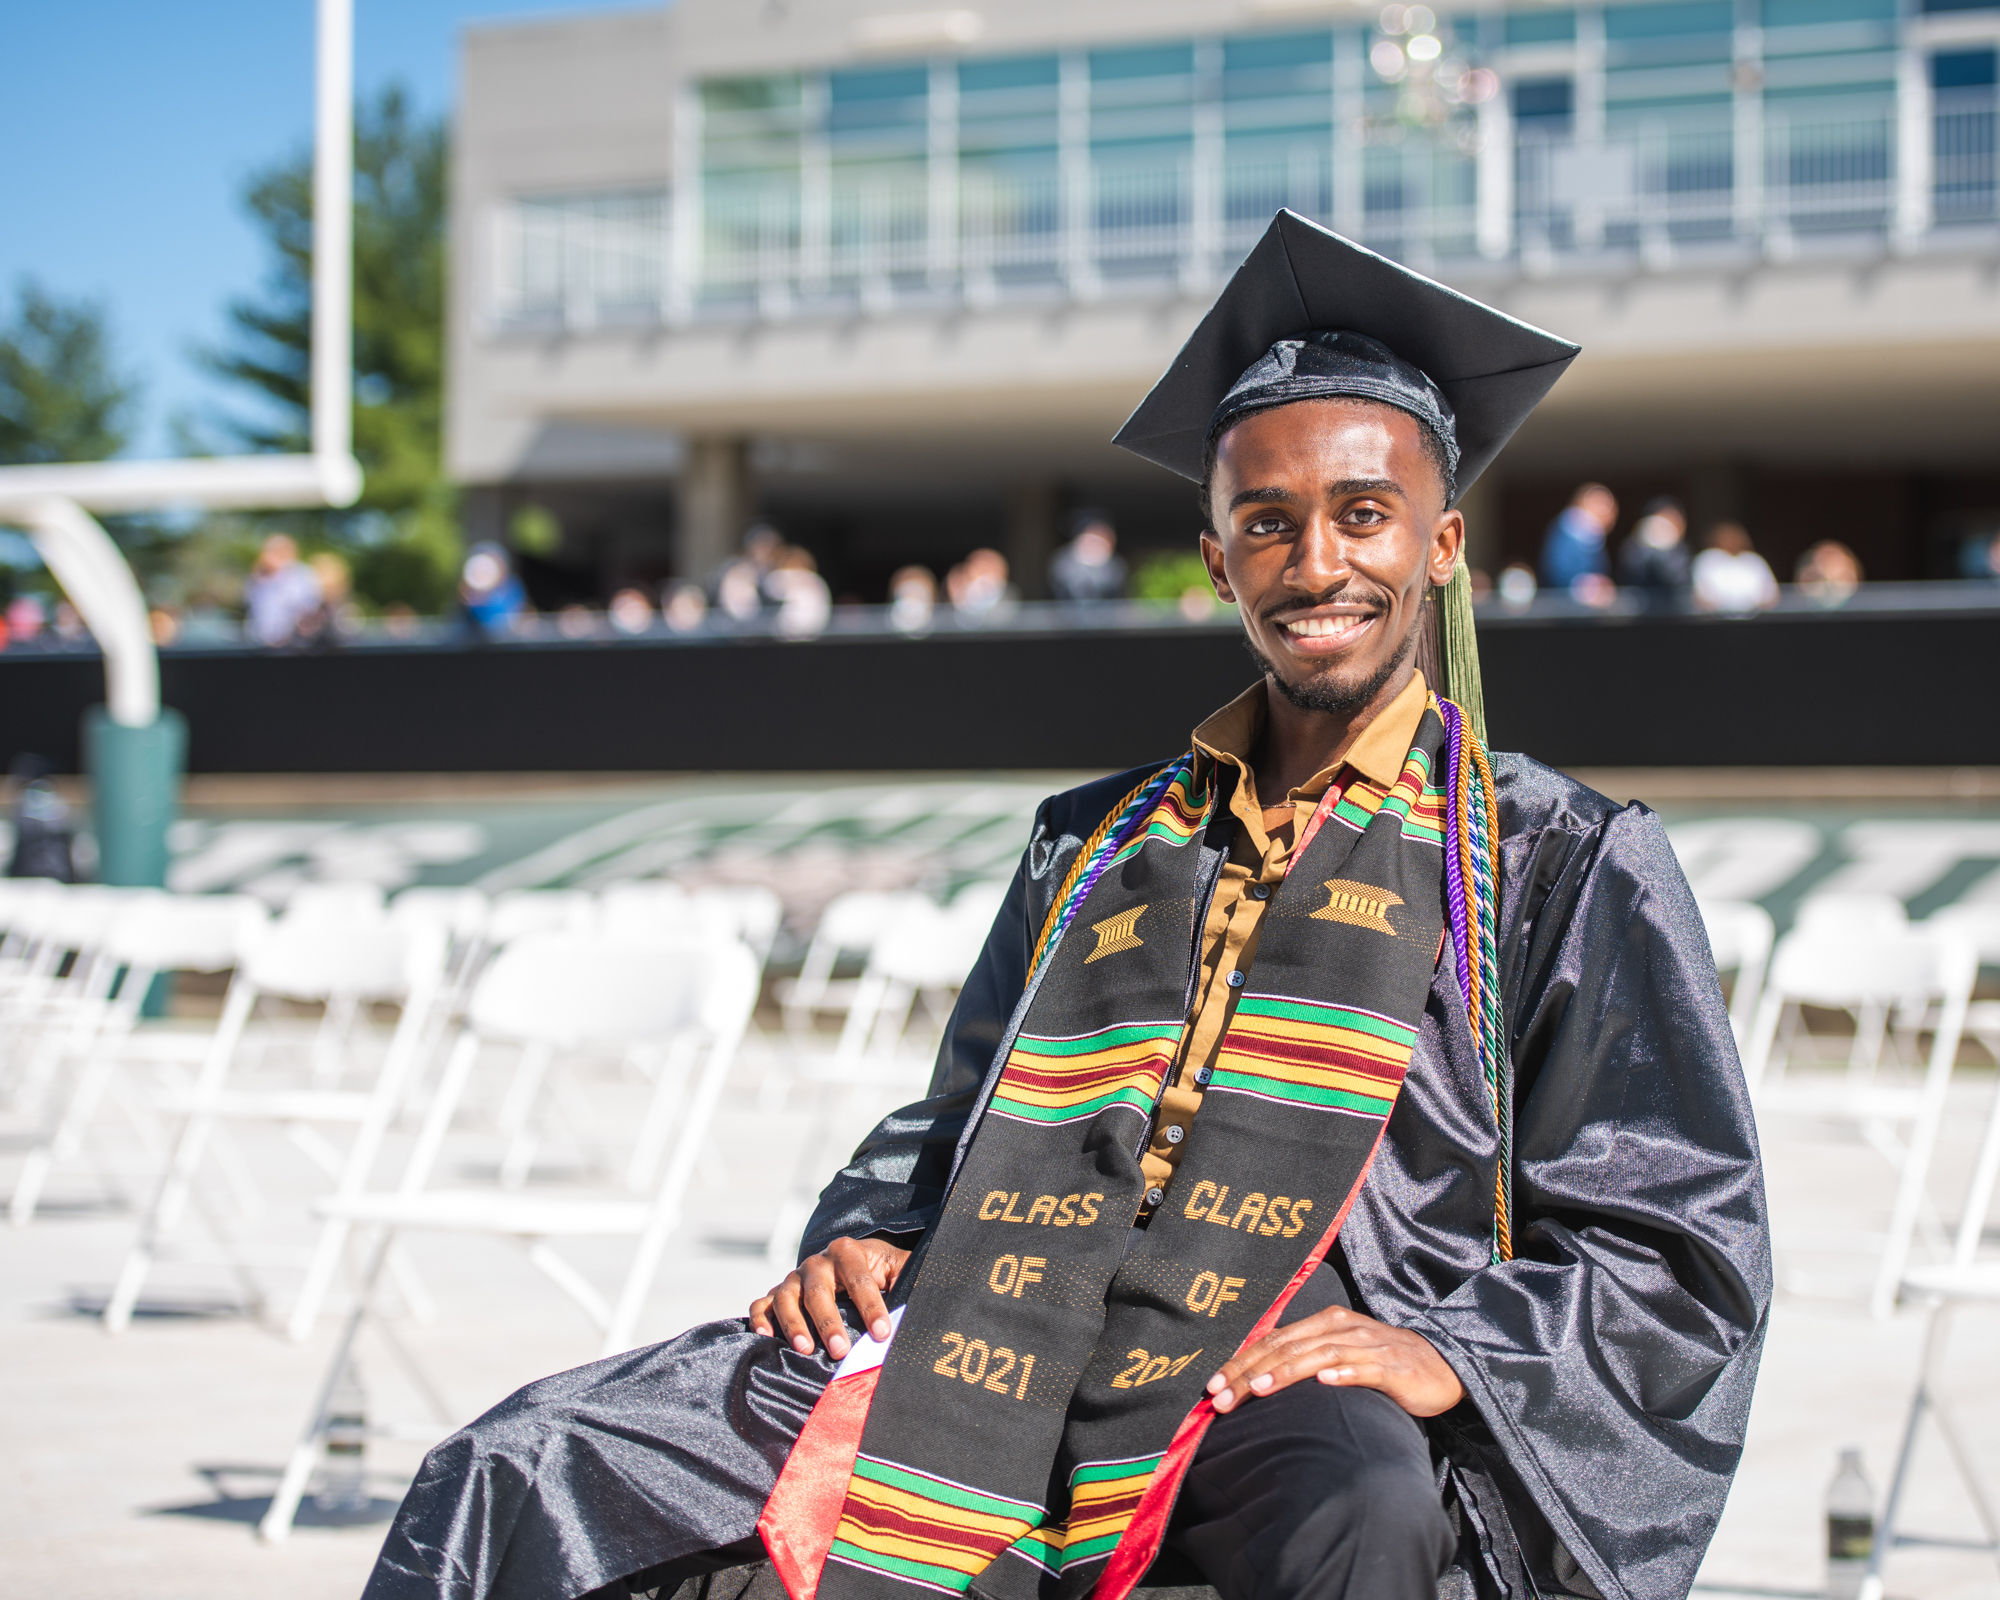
{"x": 1795, "y": 689}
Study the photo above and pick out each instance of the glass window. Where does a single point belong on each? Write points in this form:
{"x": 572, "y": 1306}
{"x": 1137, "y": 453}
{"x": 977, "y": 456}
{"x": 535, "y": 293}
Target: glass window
{"x": 1818, "y": 13}
{"x": 1668, "y": 21}
{"x": 1541, "y": 27}
{"x": 1540, "y": 99}
{"x": 1963, "y": 69}
{"x": 1008, "y": 72}
{"x": 1276, "y": 51}
{"x": 892, "y": 83}
{"x": 1147, "y": 61}
{"x": 750, "y": 94}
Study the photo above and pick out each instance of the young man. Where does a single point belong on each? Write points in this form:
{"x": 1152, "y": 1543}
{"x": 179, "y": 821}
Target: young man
{"x": 1338, "y": 1178}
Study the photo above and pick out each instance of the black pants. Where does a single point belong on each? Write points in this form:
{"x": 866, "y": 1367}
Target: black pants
{"x": 1311, "y": 1493}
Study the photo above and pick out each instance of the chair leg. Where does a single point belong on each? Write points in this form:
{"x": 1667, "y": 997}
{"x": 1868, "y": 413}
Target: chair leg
{"x": 1885, "y": 1526}
{"x": 276, "y": 1525}
{"x": 319, "y": 1278}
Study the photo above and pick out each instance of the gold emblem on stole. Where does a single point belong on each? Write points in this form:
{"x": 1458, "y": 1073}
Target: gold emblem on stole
{"x": 1359, "y": 905}
{"x": 1115, "y": 934}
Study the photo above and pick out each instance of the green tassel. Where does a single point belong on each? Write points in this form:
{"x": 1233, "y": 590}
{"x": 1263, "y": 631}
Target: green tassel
{"x": 1458, "y": 650}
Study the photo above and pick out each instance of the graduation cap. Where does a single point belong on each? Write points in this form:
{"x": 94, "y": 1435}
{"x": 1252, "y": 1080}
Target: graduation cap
{"x": 1469, "y": 372}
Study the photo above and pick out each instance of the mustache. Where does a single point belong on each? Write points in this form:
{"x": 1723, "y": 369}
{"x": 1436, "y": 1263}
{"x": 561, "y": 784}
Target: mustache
{"x": 1348, "y": 594}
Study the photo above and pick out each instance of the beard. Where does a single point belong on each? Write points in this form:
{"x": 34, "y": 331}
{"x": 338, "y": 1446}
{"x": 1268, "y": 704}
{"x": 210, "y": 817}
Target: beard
{"x": 1323, "y": 692}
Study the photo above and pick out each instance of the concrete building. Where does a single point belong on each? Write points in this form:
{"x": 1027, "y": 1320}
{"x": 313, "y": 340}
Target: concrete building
{"x": 892, "y": 276}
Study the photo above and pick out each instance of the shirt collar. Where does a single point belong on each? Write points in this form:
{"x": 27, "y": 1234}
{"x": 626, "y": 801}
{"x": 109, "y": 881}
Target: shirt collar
{"x": 1377, "y": 754}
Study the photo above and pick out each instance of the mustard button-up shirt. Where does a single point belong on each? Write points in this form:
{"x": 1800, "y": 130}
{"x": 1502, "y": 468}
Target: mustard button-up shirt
{"x": 1260, "y": 851}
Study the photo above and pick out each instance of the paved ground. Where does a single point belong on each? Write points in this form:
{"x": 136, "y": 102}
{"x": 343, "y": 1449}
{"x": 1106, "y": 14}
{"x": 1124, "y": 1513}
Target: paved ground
{"x": 137, "y": 1465}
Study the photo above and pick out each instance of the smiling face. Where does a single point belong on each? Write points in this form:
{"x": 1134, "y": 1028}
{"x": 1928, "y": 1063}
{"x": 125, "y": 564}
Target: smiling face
{"x": 1327, "y": 528}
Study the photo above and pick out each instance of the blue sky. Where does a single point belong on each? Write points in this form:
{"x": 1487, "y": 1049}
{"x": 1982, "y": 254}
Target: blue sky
{"x": 128, "y": 128}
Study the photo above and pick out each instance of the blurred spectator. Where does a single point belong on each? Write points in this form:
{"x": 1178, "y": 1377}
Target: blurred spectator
{"x": 42, "y": 832}
{"x": 1729, "y": 576}
{"x": 738, "y": 587}
{"x": 280, "y": 593}
{"x": 1517, "y": 586}
{"x": 336, "y": 615}
{"x": 165, "y": 625}
{"x": 578, "y": 622}
{"x": 1979, "y": 558}
{"x": 1088, "y": 568}
{"x": 1654, "y": 560}
{"x": 1828, "y": 573}
{"x": 684, "y": 607}
{"x": 491, "y": 593}
{"x": 399, "y": 620}
{"x": 978, "y": 587}
{"x": 631, "y": 612}
{"x": 69, "y": 624}
{"x": 912, "y": 600}
{"x": 804, "y": 602}
{"x": 26, "y": 617}
{"x": 1573, "y": 548}
{"x": 1481, "y": 582}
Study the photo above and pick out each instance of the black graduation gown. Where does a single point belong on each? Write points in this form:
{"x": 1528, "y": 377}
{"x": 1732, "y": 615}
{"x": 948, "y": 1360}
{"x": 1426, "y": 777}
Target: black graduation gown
{"x": 1608, "y": 1368}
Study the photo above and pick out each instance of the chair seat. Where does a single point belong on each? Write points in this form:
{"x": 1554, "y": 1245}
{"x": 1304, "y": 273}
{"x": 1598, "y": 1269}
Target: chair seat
{"x": 275, "y": 1105}
{"x": 1979, "y": 1281}
{"x": 1861, "y": 1102}
{"x": 487, "y": 1211}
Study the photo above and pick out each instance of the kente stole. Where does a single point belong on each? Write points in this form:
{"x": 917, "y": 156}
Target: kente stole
{"x": 1024, "y": 1432}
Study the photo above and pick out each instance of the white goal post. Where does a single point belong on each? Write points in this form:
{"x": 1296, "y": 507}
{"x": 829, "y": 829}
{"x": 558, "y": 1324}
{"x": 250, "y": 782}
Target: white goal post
{"x": 53, "y": 504}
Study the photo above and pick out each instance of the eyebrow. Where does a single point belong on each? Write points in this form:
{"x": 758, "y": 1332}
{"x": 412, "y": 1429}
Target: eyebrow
{"x": 1346, "y": 486}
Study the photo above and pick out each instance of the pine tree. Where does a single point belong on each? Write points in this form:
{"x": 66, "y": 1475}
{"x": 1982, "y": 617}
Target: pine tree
{"x": 61, "y": 395}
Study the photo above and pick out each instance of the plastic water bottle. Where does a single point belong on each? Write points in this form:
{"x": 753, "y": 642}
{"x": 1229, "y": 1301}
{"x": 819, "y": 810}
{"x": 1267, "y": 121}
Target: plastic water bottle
{"x": 1850, "y": 1527}
{"x": 343, "y": 1488}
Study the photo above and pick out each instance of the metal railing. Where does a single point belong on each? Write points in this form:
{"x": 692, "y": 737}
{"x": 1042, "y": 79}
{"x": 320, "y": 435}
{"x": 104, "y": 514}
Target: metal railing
{"x": 1655, "y": 190}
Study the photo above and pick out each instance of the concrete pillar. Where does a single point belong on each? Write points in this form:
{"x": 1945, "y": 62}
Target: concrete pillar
{"x": 1033, "y": 511}
{"x": 714, "y": 505}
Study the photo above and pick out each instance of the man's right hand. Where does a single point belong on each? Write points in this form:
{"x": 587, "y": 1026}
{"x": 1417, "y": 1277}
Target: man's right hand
{"x": 862, "y": 1269}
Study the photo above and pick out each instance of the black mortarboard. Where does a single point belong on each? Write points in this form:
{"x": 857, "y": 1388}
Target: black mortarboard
{"x": 1477, "y": 372}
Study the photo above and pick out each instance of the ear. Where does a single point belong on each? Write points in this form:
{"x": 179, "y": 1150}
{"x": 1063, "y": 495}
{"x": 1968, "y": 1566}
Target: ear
{"x": 1211, "y": 557}
{"x": 1447, "y": 540}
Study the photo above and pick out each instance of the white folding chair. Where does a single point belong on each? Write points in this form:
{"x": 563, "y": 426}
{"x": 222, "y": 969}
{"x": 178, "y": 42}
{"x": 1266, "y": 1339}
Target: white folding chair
{"x": 552, "y": 993}
{"x": 1841, "y": 966}
{"x": 1979, "y": 926}
{"x": 331, "y": 952}
{"x": 1970, "y": 1278}
{"x": 928, "y": 950}
{"x": 1740, "y": 935}
{"x": 156, "y": 933}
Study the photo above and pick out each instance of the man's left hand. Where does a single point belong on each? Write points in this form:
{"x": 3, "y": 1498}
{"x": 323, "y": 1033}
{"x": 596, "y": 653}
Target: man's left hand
{"x": 1348, "y": 1350}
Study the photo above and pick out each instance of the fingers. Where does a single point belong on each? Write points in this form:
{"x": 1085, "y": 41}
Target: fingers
{"x": 791, "y": 1322}
{"x": 821, "y": 1282}
{"x": 760, "y": 1314}
{"x": 863, "y": 1274}
{"x": 1335, "y": 1337}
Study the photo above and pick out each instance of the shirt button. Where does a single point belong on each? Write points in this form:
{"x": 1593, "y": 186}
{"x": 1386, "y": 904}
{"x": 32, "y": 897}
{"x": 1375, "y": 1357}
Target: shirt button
{"x": 1155, "y": 1195}
{"x": 1175, "y": 1133}
{"x": 1236, "y": 980}
{"x": 1260, "y": 891}
{"x": 1202, "y": 1077}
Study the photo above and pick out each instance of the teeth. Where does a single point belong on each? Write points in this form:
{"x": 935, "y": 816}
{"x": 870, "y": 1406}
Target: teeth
{"x": 1323, "y": 627}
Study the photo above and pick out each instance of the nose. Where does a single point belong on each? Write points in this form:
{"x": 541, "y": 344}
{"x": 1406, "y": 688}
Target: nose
{"x": 1319, "y": 558}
